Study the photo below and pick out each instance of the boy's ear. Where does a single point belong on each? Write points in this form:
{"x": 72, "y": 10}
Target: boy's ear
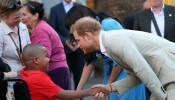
{"x": 35, "y": 60}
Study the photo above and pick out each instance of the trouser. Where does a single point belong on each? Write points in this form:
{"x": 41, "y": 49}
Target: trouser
{"x": 61, "y": 77}
{"x": 170, "y": 89}
{"x": 76, "y": 65}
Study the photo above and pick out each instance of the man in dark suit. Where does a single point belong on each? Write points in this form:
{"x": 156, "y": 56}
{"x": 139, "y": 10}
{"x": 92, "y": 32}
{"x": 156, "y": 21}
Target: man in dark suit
{"x": 129, "y": 20}
{"x": 164, "y": 17}
{"x": 75, "y": 62}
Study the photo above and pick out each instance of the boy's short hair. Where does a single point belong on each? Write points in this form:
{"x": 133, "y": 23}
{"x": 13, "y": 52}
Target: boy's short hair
{"x": 86, "y": 24}
{"x": 30, "y": 51}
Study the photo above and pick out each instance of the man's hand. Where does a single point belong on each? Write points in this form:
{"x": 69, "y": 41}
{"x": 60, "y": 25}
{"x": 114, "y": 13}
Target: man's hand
{"x": 106, "y": 90}
{"x": 97, "y": 91}
{"x": 102, "y": 94}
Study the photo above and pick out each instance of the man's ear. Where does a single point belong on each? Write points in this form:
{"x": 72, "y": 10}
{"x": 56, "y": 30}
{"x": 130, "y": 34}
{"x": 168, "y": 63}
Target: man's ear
{"x": 35, "y": 60}
{"x": 87, "y": 35}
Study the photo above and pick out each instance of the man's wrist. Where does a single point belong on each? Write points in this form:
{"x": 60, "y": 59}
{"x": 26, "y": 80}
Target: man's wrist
{"x": 110, "y": 87}
{"x": 113, "y": 88}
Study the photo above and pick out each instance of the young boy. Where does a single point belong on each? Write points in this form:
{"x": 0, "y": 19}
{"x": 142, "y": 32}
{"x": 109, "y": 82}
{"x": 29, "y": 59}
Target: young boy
{"x": 39, "y": 83}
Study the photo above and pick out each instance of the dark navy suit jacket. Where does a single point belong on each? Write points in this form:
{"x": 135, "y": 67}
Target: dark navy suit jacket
{"x": 143, "y": 22}
{"x": 57, "y": 22}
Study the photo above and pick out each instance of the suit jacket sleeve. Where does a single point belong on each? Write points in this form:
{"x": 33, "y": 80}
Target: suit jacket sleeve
{"x": 136, "y": 62}
{"x": 122, "y": 88}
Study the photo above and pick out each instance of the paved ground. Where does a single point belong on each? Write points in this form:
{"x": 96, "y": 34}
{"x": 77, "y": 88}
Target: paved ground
{"x": 96, "y": 78}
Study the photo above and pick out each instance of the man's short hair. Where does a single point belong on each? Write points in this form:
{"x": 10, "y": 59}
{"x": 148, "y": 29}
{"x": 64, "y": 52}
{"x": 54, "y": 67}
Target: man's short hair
{"x": 86, "y": 24}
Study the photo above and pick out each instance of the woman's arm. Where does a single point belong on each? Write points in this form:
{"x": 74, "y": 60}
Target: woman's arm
{"x": 87, "y": 70}
{"x": 114, "y": 74}
{"x": 9, "y": 74}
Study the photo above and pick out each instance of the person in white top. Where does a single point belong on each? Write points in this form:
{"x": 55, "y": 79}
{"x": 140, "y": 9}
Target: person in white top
{"x": 11, "y": 24}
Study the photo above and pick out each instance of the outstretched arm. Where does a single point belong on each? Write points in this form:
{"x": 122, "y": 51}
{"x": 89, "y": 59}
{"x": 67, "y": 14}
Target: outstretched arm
{"x": 71, "y": 94}
{"x": 10, "y": 74}
{"x": 107, "y": 89}
{"x": 114, "y": 74}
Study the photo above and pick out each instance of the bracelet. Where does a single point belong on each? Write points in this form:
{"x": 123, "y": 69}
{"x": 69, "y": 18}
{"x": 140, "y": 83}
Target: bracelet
{"x": 110, "y": 87}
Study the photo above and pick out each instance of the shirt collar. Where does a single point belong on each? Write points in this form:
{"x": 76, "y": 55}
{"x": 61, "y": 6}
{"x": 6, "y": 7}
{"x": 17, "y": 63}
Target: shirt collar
{"x": 161, "y": 10}
{"x": 102, "y": 48}
{"x": 65, "y": 3}
{"x": 6, "y": 28}
{"x": 101, "y": 44}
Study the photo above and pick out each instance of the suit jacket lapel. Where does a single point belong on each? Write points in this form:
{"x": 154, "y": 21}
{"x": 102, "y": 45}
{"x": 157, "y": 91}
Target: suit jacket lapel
{"x": 147, "y": 20}
{"x": 109, "y": 52}
{"x": 62, "y": 8}
{"x": 167, "y": 14}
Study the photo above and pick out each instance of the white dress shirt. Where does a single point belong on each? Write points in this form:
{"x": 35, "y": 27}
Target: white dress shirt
{"x": 67, "y": 6}
{"x": 102, "y": 49}
{"x": 160, "y": 19}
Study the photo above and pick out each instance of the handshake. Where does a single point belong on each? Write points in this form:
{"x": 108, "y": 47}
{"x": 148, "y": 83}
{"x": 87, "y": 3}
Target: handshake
{"x": 102, "y": 91}
{"x": 97, "y": 91}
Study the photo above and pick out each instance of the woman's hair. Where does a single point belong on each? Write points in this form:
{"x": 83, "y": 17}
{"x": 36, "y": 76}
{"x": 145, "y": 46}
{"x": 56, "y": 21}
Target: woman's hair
{"x": 76, "y": 13}
{"x": 9, "y": 6}
{"x": 80, "y": 11}
{"x": 36, "y": 7}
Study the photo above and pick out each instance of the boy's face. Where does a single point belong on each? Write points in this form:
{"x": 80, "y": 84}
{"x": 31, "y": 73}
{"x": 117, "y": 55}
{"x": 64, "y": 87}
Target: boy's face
{"x": 44, "y": 60}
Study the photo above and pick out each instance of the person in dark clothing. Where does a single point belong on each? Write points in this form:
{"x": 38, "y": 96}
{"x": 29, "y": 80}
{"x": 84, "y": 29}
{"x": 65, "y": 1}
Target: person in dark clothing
{"x": 4, "y": 74}
{"x": 74, "y": 60}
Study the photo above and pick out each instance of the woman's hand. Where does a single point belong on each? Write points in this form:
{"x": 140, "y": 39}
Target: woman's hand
{"x": 73, "y": 46}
